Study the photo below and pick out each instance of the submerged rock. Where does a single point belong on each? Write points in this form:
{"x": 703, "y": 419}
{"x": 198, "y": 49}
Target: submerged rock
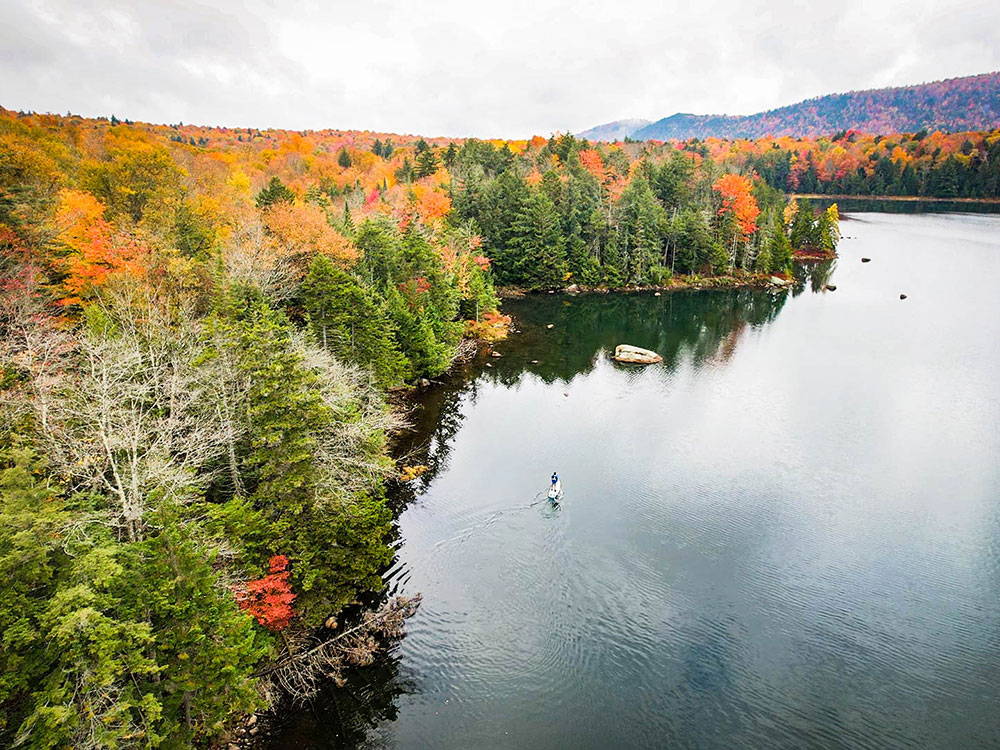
{"x": 636, "y": 355}
{"x": 866, "y": 260}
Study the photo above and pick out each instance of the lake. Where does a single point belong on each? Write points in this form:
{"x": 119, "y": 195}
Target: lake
{"x": 785, "y": 535}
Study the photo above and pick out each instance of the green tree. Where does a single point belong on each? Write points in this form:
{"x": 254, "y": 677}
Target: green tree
{"x": 427, "y": 164}
{"x": 329, "y": 519}
{"x": 415, "y": 334}
{"x": 274, "y": 192}
{"x": 642, "y": 221}
{"x": 537, "y": 245}
{"x": 346, "y": 319}
{"x": 206, "y": 647}
{"x": 803, "y": 231}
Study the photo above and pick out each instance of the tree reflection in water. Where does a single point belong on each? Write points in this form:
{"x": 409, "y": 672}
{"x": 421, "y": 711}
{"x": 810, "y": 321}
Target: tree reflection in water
{"x": 687, "y": 328}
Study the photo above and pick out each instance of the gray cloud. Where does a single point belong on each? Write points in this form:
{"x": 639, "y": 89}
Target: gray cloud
{"x": 464, "y": 67}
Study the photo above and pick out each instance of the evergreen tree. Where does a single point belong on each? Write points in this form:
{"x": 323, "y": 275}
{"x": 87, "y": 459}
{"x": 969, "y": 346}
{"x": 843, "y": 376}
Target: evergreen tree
{"x": 405, "y": 171}
{"x": 275, "y": 192}
{"x": 694, "y": 246}
{"x": 779, "y": 248}
{"x": 537, "y": 244}
{"x": 206, "y": 646}
{"x": 344, "y": 158}
{"x": 642, "y": 221}
{"x": 415, "y": 335}
{"x": 336, "y": 548}
{"x": 347, "y": 321}
{"x": 828, "y": 229}
{"x": 803, "y": 231}
{"x": 427, "y": 164}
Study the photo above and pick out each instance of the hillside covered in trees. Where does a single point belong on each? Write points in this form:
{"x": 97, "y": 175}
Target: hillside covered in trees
{"x": 955, "y": 104}
{"x": 931, "y": 164}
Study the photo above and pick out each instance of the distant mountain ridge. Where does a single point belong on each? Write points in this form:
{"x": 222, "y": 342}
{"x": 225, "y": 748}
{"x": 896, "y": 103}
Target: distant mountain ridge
{"x": 954, "y": 104}
{"x": 614, "y": 131}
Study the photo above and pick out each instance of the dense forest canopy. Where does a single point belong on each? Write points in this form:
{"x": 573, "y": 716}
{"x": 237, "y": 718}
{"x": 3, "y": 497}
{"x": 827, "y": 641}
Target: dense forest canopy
{"x": 199, "y": 326}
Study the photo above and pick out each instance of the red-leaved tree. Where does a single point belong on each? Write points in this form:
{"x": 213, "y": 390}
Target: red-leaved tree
{"x": 269, "y": 599}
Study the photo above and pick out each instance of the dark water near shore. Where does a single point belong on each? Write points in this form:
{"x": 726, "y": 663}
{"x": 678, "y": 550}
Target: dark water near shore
{"x": 873, "y": 203}
{"x": 786, "y": 535}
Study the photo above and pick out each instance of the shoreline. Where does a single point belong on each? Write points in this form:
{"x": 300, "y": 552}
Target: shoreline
{"x": 254, "y": 730}
{"x": 676, "y": 284}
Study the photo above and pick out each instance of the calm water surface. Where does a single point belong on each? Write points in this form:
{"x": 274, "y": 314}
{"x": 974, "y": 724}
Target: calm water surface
{"x": 786, "y": 535}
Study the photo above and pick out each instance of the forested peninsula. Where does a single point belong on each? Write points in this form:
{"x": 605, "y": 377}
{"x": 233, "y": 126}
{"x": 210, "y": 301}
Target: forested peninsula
{"x": 200, "y": 327}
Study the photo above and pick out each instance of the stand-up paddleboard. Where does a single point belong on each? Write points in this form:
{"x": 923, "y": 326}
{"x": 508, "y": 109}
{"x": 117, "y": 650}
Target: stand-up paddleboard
{"x": 555, "y": 491}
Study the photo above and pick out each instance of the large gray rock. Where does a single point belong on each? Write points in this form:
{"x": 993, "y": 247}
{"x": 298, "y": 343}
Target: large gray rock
{"x": 635, "y": 355}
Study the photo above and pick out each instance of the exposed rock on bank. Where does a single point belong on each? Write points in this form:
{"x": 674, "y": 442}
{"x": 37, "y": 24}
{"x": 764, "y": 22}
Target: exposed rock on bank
{"x": 635, "y": 355}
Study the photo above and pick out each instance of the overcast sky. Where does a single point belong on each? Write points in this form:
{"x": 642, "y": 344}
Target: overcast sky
{"x": 507, "y": 68}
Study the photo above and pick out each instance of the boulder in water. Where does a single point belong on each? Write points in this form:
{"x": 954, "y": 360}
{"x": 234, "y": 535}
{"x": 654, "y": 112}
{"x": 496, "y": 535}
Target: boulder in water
{"x": 902, "y": 296}
{"x": 831, "y": 288}
{"x": 635, "y": 355}
{"x": 866, "y": 260}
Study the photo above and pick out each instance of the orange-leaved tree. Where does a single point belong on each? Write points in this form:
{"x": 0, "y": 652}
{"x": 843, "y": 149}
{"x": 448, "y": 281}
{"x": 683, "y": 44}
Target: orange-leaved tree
{"x": 737, "y": 198}
{"x": 90, "y": 250}
{"x": 302, "y": 231}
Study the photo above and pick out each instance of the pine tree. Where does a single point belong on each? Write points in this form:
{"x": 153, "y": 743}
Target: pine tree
{"x": 415, "y": 335}
{"x": 537, "y": 245}
{"x": 336, "y": 544}
{"x": 275, "y": 192}
{"x": 347, "y": 321}
{"x": 828, "y": 229}
{"x": 694, "y": 246}
{"x": 72, "y": 661}
{"x": 405, "y": 171}
{"x": 642, "y": 220}
{"x": 205, "y": 644}
{"x": 344, "y": 158}
{"x": 803, "y": 231}
{"x": 779, "y": 249}
{"x": 427, "y": 164}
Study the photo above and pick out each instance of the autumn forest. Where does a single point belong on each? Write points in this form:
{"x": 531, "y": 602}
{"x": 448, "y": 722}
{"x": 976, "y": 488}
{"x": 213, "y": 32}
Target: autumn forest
{"x": 203, "y": 330}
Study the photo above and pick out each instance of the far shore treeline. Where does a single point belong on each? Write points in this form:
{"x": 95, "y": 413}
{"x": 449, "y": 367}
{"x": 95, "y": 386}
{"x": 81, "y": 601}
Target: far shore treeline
{"x": 200, "y": 325}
